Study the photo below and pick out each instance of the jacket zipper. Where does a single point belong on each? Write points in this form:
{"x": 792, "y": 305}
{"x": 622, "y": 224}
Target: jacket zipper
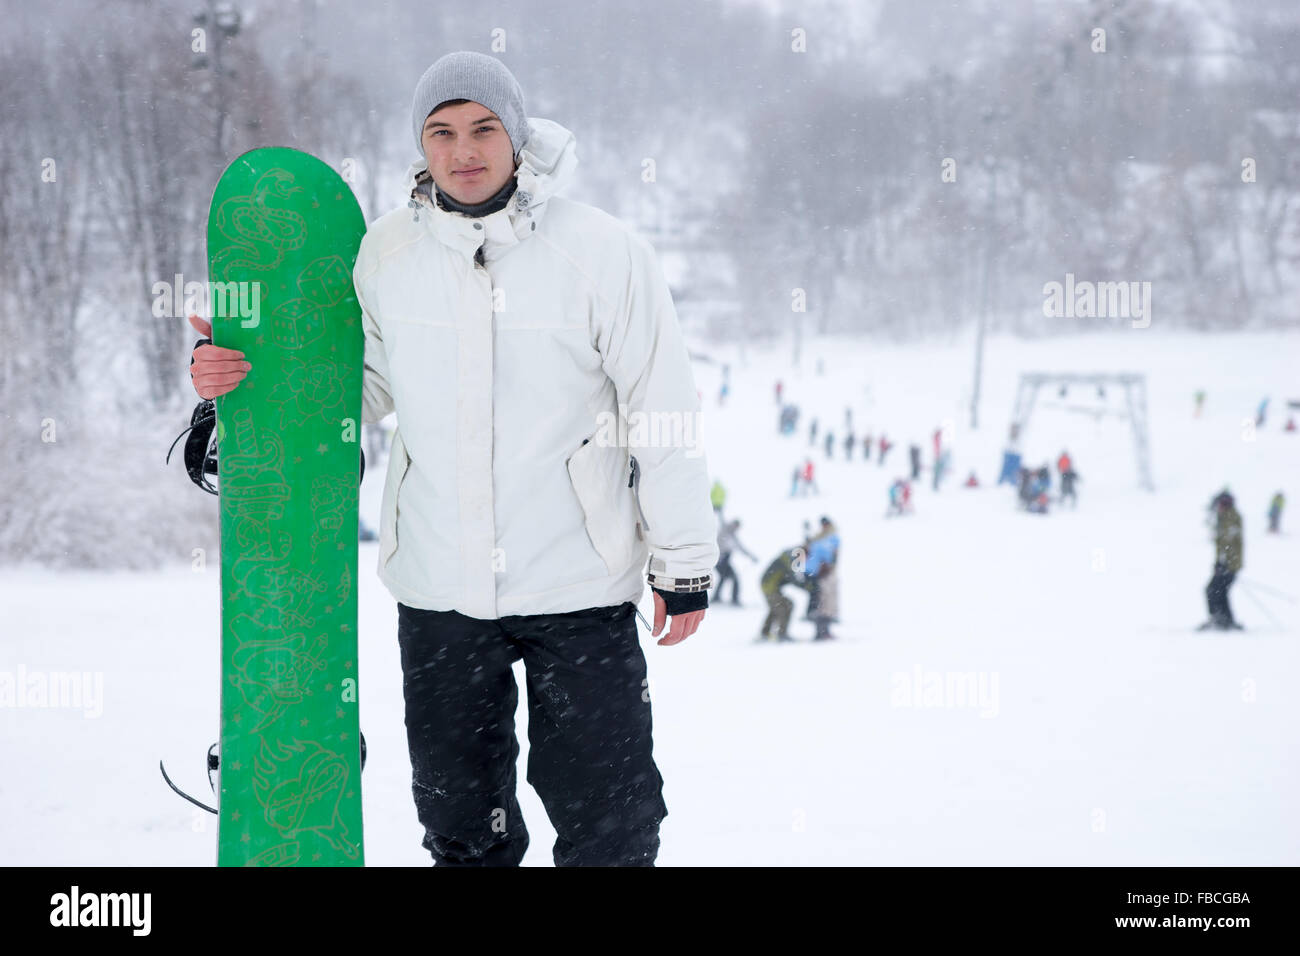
{"x": 634, "y": 482}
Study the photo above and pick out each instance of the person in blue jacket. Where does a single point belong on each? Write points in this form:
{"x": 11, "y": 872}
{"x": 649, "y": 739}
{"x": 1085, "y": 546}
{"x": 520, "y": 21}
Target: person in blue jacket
{"x": 820, "y": 568}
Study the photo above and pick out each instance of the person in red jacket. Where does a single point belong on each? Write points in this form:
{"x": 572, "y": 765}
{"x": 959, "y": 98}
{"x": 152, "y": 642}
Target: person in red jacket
{"x": 808, "y": 476}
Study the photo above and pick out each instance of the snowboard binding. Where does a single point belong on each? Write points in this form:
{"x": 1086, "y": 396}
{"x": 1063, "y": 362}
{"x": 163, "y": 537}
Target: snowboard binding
{"x": 214, "y": 766}
{"x": 201, "y": 446}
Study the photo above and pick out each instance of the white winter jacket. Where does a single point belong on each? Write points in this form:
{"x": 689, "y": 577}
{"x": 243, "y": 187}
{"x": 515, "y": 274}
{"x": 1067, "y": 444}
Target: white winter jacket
{"x": 510, "y": 483}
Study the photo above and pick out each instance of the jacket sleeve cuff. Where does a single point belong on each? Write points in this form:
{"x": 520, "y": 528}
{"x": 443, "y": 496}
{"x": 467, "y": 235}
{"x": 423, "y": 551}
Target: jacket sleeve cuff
{"x": 676, "y": 602}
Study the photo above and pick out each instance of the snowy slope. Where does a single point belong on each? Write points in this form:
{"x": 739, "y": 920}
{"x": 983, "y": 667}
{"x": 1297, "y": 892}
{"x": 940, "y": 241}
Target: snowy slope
{"x": 1107, "y": 732}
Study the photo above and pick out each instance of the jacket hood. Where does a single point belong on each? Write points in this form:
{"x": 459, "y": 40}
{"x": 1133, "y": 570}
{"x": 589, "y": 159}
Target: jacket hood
{"x": 546, "y": 165}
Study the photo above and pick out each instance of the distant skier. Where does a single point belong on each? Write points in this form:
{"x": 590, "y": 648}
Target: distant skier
{"x": 885, "y": 445}
{"x": 1024, "y": 483}
{"x": 1040, "y": 486}
{"x": 779, "y": 388}
{"x": 830, "y": 444}
{"x": 971, "y": 481}
{"x": 848, "y": 447}
{"x": 1065, "y": 467}
{"x": 796, "y": 480}
{"x": 789, "y": 419}
{"x": 848, "y": 418}
{"x": 941, "y": 467}
{"x": 1275, "y": 507}
{"x": 866, "y": 447}
{"x": 728, "y": 541}
{"x": 1261, "y": 412}
{"x": 722, "y": 392}
{"x": 914, "y": 453}
{"x": 808, "y": 481}
{"x": 1200, "y": 401}
{"x": 900, "y": 498}
{"x": 1068, "y": 480}
{"x": 812, "y": 432}
{"x": 1227, "y": 563}
{"x": 718, "y": 495}
{"x": 779, "y": 573}
{"x": 820, "y": 571}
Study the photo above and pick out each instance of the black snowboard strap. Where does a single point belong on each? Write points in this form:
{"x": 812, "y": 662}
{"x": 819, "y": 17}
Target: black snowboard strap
{"x": 214, "y": 764}
{"x": 197, "y": 803}
{"x": 201, "y": 446}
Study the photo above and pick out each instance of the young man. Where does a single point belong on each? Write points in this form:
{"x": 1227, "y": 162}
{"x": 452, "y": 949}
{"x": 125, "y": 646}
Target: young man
{"x": 510, "y": 328}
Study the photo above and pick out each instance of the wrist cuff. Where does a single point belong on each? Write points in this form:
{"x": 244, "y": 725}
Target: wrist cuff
{"x": 662, "y": 582}
{"x": 683, "y": 602}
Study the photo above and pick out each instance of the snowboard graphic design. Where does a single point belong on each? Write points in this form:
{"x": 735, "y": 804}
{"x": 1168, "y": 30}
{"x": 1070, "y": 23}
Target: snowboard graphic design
{"x": 283, "y": 233}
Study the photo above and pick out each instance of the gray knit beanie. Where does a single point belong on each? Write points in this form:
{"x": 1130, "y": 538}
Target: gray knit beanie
{"x": 471, "y": 76}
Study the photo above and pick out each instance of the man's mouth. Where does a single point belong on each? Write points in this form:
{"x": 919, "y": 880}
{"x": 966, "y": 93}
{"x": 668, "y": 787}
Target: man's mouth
{"x": 468, "y": 173}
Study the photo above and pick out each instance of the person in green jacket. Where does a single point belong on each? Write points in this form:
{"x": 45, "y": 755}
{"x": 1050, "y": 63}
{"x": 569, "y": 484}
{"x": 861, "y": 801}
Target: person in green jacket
{"x": 787, "y": 568}
{"x": 1227, "y": 562}
{"x": 717, "y": 495}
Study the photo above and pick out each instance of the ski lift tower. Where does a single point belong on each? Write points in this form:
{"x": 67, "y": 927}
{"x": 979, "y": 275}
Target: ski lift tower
{"x": 1135, "y": 401}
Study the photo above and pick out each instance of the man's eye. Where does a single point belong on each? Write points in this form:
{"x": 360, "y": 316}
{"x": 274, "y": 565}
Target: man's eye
{"x": 488, "y": 128}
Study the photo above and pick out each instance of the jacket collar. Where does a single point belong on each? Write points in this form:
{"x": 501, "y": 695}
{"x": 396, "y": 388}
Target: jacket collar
{"x": 479, "y": 209}
{"x": 546, "y": 165}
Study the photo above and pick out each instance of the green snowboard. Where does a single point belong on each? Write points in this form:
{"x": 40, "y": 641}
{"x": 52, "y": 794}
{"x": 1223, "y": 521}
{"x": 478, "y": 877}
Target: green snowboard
{"x": 283, "y": 233}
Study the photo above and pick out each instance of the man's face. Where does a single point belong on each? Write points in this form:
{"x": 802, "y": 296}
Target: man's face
{"x": 469, "y": 154}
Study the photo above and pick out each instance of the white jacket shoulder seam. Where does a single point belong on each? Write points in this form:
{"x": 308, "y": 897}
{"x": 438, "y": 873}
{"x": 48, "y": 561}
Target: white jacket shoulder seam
{"x": 559, "y": 250}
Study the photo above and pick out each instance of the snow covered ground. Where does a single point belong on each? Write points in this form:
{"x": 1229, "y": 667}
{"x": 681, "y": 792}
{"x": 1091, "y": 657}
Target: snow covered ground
{"x": 1101, "y": 729}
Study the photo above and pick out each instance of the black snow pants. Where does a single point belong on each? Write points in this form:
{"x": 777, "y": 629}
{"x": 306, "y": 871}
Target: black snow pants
{"x": 1216, "y": 595}
{"x": 727, "y": 573}
{"x": 589, "y": 734}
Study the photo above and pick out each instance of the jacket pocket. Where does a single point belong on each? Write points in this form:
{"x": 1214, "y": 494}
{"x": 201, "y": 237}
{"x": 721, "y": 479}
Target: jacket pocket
{"x": 399, "y": 462}
{"x": 599, "y": 477}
